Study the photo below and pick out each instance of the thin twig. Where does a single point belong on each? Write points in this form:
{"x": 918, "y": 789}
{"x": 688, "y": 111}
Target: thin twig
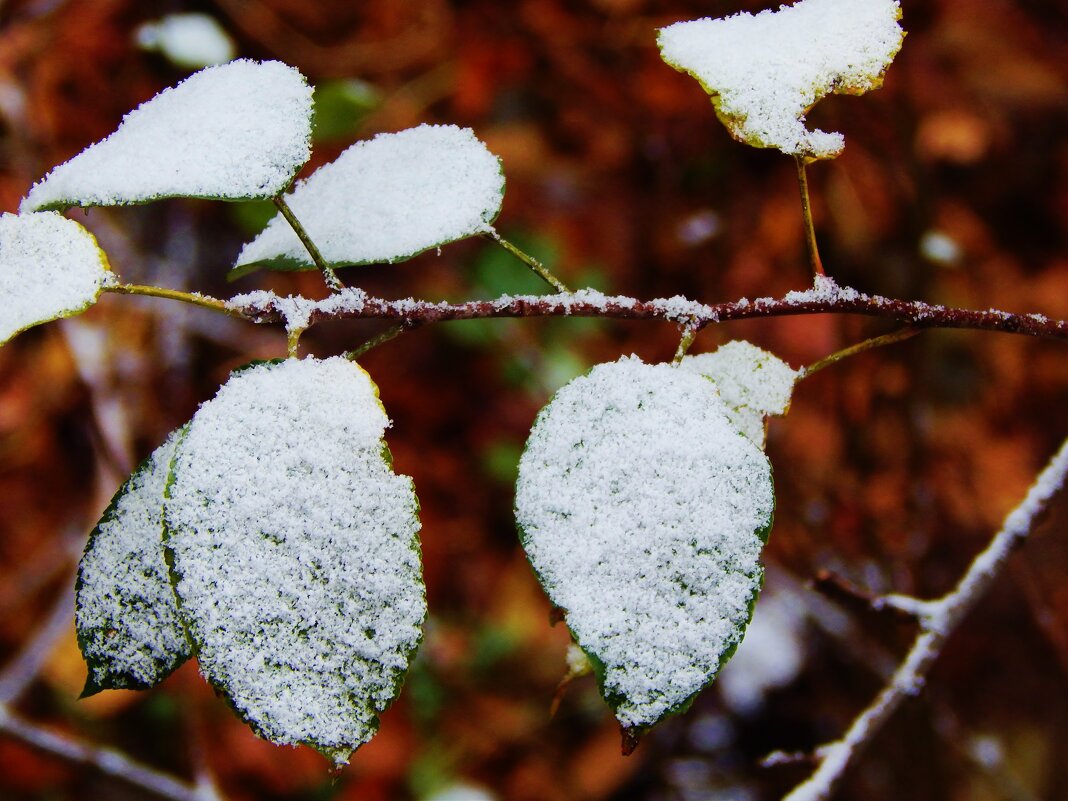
{"x": 195, "y": 298}
{"x": 811, "y": 246}
{"x": 106, "y": 760}
{"x": 332, "y": 281}
{"x": 539, "y": 269}
{"x": 942, "y": 617}
{"x": 390, "y": 333}
{"x": 689, "y": 334}
{"x": 23, "y": 669}
{"x": 868, "y": 344}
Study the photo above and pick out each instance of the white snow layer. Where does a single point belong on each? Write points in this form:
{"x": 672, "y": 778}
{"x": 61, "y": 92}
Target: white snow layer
{"x": 752, "y": 382}
{"x": 643, "y": 511}
{"x": 125, "y": 611}
{"x": 387, "y": 199}
{"x": 294, "y": 546}
{"x": 236, "y": 131}
{"x": 764, "y": 72}
{"x": 49, "y": 267}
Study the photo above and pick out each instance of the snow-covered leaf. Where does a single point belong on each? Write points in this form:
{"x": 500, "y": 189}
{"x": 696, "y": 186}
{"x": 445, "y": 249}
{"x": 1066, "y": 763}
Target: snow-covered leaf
{"x": 125, "y": 611}
{"x": 644, "y": 512}
{"x": 764, "y": 72}
{"x": 294, "y": 552}
{"x": 233, "y": 132}
{"x": 50, "y": 267}
{"x": 752, "y": 383}
{"x": 385, "y": 200}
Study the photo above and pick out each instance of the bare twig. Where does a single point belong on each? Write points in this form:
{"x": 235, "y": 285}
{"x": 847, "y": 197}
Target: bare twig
{"x": 806, "y": 213}
{"x": 938, "y": 619}
{"x": 106, "y": 760}
{"x": 23, "y": 669}
{"x": 868, "y": 344}
{"x": 536, "y": 266}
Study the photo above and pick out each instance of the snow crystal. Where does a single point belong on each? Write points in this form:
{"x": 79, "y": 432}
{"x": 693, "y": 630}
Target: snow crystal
{"x": 126, "y": 615}
{"x": 642, "y": 511}
{"x": 387, "y": 199}
{"x": 294, "y": 547}
{"x": 752, "y": 382}
{"x": 764, "y": 72}
{"x": 237, "y": 131}
{"x": 49, "y": 267}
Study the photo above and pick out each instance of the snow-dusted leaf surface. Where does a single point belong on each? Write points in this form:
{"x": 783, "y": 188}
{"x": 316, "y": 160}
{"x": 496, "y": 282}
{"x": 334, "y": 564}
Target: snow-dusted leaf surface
{"x": 50, "y": 267}
{"x": 294, "y": 552}
{"x": 752, "y": 383}
{"x": 644, "y": 512}
{"x": 386, "y": 200}
{"x": 237, "y": 131}
{"x": 765, "y": 71}
{"x": 126, "y": 615}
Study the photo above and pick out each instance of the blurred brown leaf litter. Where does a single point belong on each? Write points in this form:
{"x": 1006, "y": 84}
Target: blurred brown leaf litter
{"x": 893, "y": 469}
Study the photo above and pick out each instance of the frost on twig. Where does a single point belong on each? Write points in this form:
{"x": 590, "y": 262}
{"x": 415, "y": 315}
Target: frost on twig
{"x": 764, "y": 72}
{"x": 940, "y": 618}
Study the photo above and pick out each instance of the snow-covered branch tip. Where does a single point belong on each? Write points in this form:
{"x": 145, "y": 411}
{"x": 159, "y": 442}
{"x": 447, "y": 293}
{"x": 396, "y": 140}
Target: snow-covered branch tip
{"x": 937, "y": 619}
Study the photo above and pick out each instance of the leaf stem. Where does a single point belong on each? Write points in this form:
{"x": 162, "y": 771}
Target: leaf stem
{"x": 689, "y": 334}
{"x": 806, "y": 213}
{"x": 332, "y": 281}
{"x": 293, "y": 341}
{"x": 390, "y": 333}
{"x": 868, "y": 344}
{"x": 195, "y": 298}
{"x": 539, "y": 269}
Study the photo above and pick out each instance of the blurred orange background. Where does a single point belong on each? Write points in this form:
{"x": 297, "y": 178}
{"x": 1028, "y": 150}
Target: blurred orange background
{"x": 893, "y": 468}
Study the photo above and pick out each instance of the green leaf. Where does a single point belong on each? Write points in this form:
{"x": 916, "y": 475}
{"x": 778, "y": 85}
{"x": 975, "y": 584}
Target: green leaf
{"x": 386, "y": 200}
{"x": 294, "y": 552}
{"x": 50, "y": 267}
{"x": 126, "y": 615}
{"x": 765, "y": 72}
{"x": 644, "y": 513}
{"x": 238, "y": 131}
{"x": 340, "y": 106}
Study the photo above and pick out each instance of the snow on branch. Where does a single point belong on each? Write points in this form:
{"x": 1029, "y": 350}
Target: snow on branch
{"x": 937, "y": 620}
{"x": 825, "y": 297}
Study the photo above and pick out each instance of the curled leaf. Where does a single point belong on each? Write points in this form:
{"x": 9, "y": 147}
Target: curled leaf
{"x": 126, "y": 615}
{"x": 764, "y": 72}
{"x": 752, "y": 382}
